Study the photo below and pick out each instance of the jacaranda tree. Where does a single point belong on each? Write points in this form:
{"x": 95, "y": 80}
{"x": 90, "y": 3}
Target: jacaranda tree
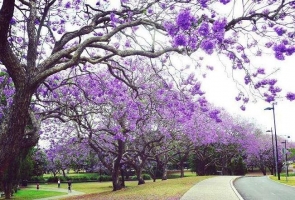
{"x": 41, "y": 38}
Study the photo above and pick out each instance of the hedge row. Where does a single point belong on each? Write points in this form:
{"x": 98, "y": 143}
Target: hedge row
{"x": 103, "y": 178}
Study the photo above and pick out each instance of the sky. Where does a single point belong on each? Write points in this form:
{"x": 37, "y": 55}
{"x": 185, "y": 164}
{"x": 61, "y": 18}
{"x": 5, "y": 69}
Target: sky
{"x": 221, "y": 91}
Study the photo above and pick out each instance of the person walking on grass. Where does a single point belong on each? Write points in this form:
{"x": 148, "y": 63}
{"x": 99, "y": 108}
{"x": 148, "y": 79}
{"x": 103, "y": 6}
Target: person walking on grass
{"x": 70, "y": 186}
{"x": 58, "y": 183}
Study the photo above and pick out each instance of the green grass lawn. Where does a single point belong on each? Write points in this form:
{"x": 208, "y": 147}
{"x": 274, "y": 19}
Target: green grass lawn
{"x": 160, "y": 190}
{"x": 169, "y": 189}
{"x": 28, "y": 194}
{"x": 290, "y": 179}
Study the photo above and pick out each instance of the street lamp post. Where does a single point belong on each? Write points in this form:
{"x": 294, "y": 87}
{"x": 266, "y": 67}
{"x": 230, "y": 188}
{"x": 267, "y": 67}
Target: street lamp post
{"x": 276, "y": 139}
{"x": 286, "y": 159}
{"x": 285, "y": 153}
{"x": 273, "y": 153}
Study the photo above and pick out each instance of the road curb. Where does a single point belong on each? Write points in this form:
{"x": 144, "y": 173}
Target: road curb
{"x": 234, "y": 189}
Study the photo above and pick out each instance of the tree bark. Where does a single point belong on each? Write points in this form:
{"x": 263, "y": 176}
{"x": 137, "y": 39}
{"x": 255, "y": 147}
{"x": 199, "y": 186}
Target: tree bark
{"x": 116, "y": 167}
{"x": 139, "y": 176}
{"x": 181, "y": 169}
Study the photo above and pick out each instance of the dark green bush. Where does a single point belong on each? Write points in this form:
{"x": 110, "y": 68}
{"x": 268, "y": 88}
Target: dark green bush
{"x": 37, "y": 179}
{"x": 146, "y": 177}
{"x": 53, "y": 179}
{"x": 104, "y": 178}
{"x": 133, "y": 178}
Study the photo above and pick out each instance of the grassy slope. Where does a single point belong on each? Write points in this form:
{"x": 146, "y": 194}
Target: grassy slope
{"x": 160, "y": 190}
{"x": 290, "y": 181}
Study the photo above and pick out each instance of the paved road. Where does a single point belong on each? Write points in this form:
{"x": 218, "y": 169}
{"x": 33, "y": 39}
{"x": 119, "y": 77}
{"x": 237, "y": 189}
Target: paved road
{"x": 262, "y": 188}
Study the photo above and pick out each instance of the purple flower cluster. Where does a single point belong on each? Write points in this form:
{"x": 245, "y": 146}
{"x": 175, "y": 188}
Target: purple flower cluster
{"x": 12, "y": 21}
{"x": 213, "y": 114}
{"x": 280, "y": 31}
{"x": 290, "y": 96}
{"x": 224, "y": 1}
{"x": 204, "y": 29}
{"x": 247, "y": 79}
{"x": 180, "y": 40}
{"x": 243, "y": 108}
{"x": 203, "y": 3}
{"x": 171, "y": 28}
{"x": 185, "y": 19}
{"x": 208, "y": 46}
{"x": 281, "y": 50}
{"x": 196, "y": 89}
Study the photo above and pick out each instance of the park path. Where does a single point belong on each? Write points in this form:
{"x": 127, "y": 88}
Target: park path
{"x": 215, "y": 188}
{"x": 73, "y": 193}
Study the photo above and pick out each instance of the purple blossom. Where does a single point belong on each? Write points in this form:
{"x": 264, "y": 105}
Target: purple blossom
{"x": 204, "y": 29}
{"x": 193, "y": 41}
{"x": 269, "y": 98}
{"x": 210, "y": 67}
{"x": 280, "y": 31}
{"x": 243, "y": 108}
{"x": 290, "y": 50}
{"x": 224, "y": 1}
{"x": 280, "y": 47}
{"x": 127, "y": 44}
{"x": 247, "y": 79}
{"x": 207, "y": 46}
{"x": 219, "y": 25}
{"x": 163, "y": 5}
{"x": 272, "y": 81}
{"x": 12, "y": 21}
{"x": 257, "y": 85}
{"x": 290, "y": 96}
{"x": 279, "y": 55}
{"x": 260, "y": 71}
{"x": 274, "y": 90}
{"x": 246, "y": 100}
{"x": 268, "y": 44}
{"x": 180, "y": 40}
{"x": 265, "y": 12}
{"x": 238, "y": 98}
{"x": 264, "y": 82}
{"x": 150, "y": 11}
{"x": 203, "y": 3}
{"x": 68, "y": 4}
{"x": 213, "y": 114}
{"x": 184, "y": 19}
{"x": 170, "y": 28}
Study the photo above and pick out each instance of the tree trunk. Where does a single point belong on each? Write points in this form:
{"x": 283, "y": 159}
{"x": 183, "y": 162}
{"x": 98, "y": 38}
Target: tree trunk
{"x": 200, "y": 167}
{"x": 63, "y": 173}
{"x": 181, "y": 169}
{"x": 122, "y": 177}
{"x": 139, "y": 176}
{"x": 14, "y": 135}
{"x": 7, "y": 190}
{"x": 164, "y": 175}
{"x": 116, "y": 167}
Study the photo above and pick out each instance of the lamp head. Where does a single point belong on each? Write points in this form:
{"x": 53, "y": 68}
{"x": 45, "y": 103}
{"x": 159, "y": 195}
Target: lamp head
{"x": 268, "y": 108}
{"x": 268, "y": 131}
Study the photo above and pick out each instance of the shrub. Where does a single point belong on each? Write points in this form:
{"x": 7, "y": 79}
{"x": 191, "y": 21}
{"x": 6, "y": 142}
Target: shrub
{"x": 37, "y": 179}
{"x": 53, "y": 179}
{"x": 104, "y": 178}
{"x": 146, "y": 177}
{"x": 133, "y": 178}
